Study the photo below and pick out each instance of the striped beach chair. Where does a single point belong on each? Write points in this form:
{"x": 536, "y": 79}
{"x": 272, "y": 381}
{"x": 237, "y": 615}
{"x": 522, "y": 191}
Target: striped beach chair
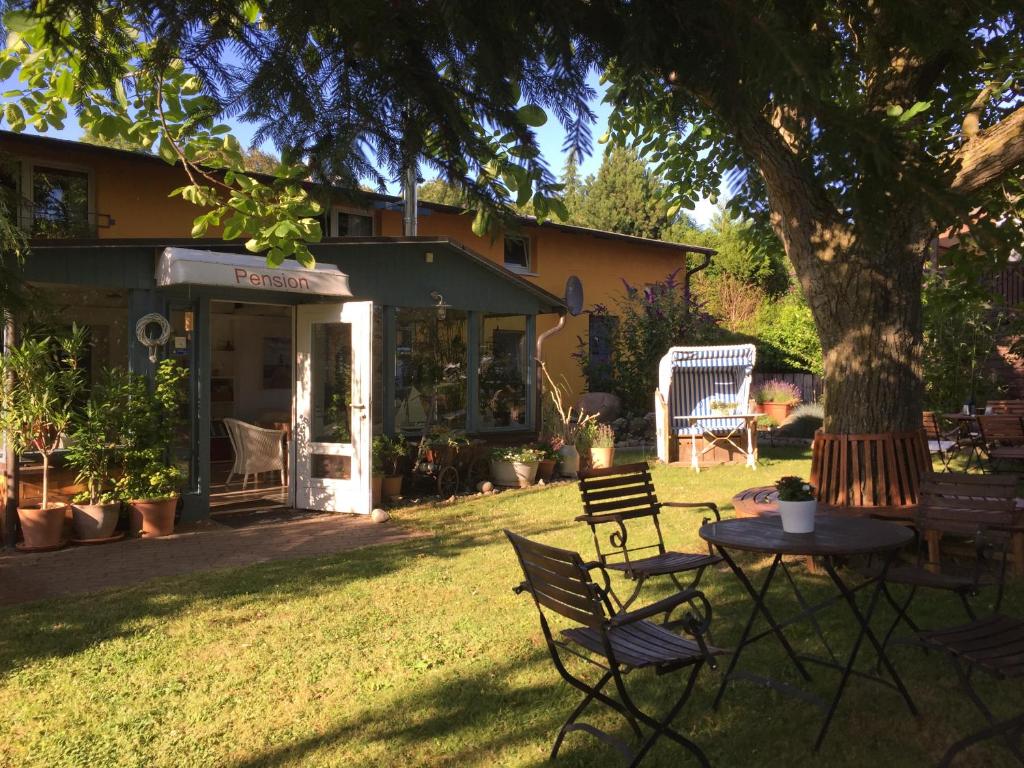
{"x": 689, "y": 380}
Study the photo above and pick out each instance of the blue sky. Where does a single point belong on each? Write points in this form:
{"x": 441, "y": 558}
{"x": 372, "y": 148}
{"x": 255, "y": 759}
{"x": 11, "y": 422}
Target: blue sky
{"x": 551, "y": 137}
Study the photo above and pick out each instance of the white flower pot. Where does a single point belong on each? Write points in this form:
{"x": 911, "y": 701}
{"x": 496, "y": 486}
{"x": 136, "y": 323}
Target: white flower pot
{"x": 569, "y": 459}
{"x": 513, "y": 474}
{"x": 798, "y": 516}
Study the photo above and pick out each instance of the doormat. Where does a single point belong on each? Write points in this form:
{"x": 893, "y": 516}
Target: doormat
{"x": 245, "y": 519}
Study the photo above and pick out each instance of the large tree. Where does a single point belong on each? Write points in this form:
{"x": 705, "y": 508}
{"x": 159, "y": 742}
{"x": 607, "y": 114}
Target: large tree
{"x": 624, "y": 196}
{"x": 857, "y": 130}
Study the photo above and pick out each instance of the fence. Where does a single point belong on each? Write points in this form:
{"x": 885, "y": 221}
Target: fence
{"x": 811, "y": 386}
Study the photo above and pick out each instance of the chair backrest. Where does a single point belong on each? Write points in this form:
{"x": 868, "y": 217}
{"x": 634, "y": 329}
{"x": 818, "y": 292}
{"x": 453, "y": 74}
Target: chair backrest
{"x": 559, "y": 581}
{"x": 690, "y": 378}
{"x": 1005, "y": 407}
{"x": 615, "y": 495}
{"x": 931, "y": 426}
{"x": 960, "y": 504}
{"x": 1002, "y": 429}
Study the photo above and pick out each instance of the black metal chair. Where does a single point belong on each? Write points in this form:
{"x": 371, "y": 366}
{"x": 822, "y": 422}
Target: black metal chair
{"x": 615, "y": 495}
{"x": 995, "y": 645}
{"x": 617, "y": 643}
{"x": 975, "y": 510}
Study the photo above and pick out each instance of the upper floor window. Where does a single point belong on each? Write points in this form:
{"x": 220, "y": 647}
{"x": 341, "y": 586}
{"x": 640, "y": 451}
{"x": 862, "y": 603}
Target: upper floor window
{"x": 60, "y": 203}
{"x": 10, "y": 189}
{"x": 517, "y": 254}
{"x": 352, "y": 224}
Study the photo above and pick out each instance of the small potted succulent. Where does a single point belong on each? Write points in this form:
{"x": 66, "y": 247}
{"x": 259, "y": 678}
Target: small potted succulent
{"x": 778, "y": 398}
{"x": 36, "y": 412}
{"x": 722, "y": 407}
{"x": 93, "y": 454}
{"x": 392, "y": 452}
{"x": 797, "y": 504}
{"x": 602, "y": 446}
{"x": 150, "y": 424}
{"x": 514, "y": 466}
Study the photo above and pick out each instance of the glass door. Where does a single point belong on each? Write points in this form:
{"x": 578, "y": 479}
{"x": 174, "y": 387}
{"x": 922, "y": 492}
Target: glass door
{"x": 332, "y": 407}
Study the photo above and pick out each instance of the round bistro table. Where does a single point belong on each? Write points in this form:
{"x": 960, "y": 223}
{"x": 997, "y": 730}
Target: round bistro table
{"x": 832, "y": 538}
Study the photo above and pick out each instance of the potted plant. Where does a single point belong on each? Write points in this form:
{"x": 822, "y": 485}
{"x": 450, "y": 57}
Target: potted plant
{"x": 377, "y": 472}
{"x": 36, "y": 413}
{"x": 92, "y": 452}
{"x": 150, "y": 422}
{"x": 549, "y": 460}
{"x": 602, "y": 447}
{"x": 778, "y": 398}
{"x": 722, "y": 408}
{"x": 392, "y": 452}
{"x": 514, "y": 467}
{"x": 797, "y": 504}
{"x": 565, "y": 423}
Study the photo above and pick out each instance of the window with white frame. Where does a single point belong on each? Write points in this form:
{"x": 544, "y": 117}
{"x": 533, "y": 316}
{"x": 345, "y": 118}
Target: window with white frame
{"x": 352, "y": 223}
{"x": 517, "y": 254}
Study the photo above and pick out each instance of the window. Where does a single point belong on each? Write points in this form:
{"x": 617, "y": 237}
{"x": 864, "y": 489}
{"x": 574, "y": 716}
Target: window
{"x": 502, "y": 376}
{"x": 352, "y": 224}
{"x": 10, "y": 189}
{"x": 599, "y": 352}
{"x": 517, "y": 254}
{"x": 430, "y": 369}
{"x": 60, "y": 203}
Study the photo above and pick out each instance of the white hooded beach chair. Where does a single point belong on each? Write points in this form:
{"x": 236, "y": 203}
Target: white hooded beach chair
{"x": 690, "y": 379}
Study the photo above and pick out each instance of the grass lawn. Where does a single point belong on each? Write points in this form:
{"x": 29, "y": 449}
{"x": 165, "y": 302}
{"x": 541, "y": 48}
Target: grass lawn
{"x": 419, "y": 654}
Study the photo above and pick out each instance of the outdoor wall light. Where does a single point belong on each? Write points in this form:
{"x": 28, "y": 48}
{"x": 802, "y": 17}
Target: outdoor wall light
{"x": 442, "y": 308}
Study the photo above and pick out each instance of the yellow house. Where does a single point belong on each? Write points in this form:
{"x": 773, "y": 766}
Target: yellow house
{"x": 391, "y": 334}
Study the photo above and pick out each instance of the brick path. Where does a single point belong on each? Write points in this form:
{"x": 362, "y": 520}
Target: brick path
{"x": 83, "y": 569}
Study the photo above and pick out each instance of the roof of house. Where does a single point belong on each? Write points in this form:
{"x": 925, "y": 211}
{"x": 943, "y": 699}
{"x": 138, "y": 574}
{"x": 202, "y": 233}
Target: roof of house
{"x": 389, "y": 200}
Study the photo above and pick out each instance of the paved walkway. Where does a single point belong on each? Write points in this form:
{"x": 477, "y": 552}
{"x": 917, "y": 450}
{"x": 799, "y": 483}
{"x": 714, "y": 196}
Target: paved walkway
{"x": 83, "y": 569}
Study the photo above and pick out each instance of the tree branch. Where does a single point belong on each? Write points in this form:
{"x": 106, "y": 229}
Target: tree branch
{"x": 990, "y": 154}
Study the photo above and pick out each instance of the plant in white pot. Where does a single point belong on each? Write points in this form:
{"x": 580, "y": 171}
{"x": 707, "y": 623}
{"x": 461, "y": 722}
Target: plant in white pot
{"x": 797, "y": 504}
{"x": 515, "y": 466}
{"x": 150, "y": 424}
{"x": 565, "y": 423}
{"x": 36, "y": 413}
{"x": 93, "y": 453}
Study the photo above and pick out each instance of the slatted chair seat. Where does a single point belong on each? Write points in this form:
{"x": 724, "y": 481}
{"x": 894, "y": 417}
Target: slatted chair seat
{"x": 616, "y": 642}
{"x": 641, "y": 645}
{"x": 994, "y": 644}
{"x": 615, "y": 496}
{"x": 911, "y": 575}
{"x": 662, "y": 565}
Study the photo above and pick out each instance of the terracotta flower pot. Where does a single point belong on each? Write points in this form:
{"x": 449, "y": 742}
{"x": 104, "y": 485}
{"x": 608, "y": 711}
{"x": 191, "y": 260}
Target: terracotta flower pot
{"x": 95, "y": 521}
{"x": 546, "y": 470}
{"x": 391, "y": 487}
{"x": 376, "y": 488}
{"x": 514, "y": 474}
{"x": 601, "y": 458}
{"x": 42, "y": 527}
{"x": 779, "y": 412}
{"x": 152, "y": 518}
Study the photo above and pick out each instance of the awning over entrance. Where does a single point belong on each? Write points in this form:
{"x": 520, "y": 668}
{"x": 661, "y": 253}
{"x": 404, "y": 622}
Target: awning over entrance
{"x": 186, "y": 266}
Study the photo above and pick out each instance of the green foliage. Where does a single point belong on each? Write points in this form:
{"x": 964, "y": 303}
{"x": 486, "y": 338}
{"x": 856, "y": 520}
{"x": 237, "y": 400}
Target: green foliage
{"x": 787, "y": 337}
{"x": 150, "y": 420}
{"x": 517, "y": 454}
{"x": 793, "y": 488}
{"x": 441, "y": 192}
{"x": 777, "y": 391}
{"x": 745, "y": 255}
{"x": 604, "y": 436}
{"x": 963, "y": 323}
{"x": 95, "y": 437}
{"x": 36, "y": 412}
{"x": 651, "y": 319}
{"x": 624, "y": 197}
{"x": 388, "y": 453}
{"x": 255, "y": 160}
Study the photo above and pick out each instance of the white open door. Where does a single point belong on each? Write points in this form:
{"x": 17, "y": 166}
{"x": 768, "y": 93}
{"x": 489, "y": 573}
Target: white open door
{"x": 332, "y": 407}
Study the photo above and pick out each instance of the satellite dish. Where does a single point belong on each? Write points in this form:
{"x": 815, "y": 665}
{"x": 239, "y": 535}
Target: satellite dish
{"x": 574, "y": 295}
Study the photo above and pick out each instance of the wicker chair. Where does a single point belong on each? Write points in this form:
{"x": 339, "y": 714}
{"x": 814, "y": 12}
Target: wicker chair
{"x": 256, "y": 450}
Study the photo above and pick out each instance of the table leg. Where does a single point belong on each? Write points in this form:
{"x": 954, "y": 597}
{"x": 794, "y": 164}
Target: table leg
{"x": 694, "y": 463}
{"x": 864, "y": 619}
{"x": 751, "y": 458}
{"x": 758, "y": 597}
{"x": 1017, "y": 546}
{"x": 934, "y": 540}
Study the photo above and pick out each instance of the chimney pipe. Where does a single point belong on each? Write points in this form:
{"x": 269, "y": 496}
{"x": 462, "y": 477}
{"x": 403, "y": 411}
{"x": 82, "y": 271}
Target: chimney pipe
{"x": 409, "y": 216}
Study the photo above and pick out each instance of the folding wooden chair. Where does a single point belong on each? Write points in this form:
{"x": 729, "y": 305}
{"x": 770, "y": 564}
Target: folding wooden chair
{"x": 617, "y": 643}
{"x": 1003, "y": 438}
{"x": 995, "y": 645}
{"x": 615, "y": 495}
{"x": 944, "y": 443}
{"x": 975, "y": 510}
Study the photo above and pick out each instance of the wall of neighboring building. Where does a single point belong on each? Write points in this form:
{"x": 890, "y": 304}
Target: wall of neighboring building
{"x": 133, "y": 191}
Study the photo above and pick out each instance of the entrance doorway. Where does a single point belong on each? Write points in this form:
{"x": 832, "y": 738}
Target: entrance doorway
{"x": 251, "y": 406}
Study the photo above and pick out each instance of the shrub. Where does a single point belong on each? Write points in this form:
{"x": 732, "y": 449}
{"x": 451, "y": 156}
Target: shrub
{"x": 803, "y": 422}
{"x": 794, "y": 488}
{"x": 516, "y": 453}
{"x": 778, "y": 391}
{"x": 604, "y": 437}
{"x": 787, "y": 337}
